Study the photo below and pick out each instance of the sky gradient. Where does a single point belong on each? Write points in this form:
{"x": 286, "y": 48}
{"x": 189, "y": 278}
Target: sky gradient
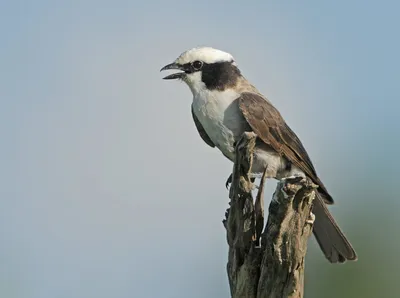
{"x": 108, "y": 191}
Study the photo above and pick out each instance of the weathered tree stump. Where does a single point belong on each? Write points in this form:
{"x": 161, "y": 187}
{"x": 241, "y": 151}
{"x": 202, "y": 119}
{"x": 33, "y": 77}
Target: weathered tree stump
{"x": 270, "y": 263}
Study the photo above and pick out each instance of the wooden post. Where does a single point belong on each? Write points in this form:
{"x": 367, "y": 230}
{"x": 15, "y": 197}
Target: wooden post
{"x": 270, "y": 263}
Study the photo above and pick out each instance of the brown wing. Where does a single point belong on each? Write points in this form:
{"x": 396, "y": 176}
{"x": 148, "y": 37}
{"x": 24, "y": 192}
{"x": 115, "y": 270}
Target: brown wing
{"x": 268, "y": 124}
{"x": 201, "y": 131}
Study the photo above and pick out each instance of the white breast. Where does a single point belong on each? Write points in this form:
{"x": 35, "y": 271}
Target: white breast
{"x": 219, "y": 114}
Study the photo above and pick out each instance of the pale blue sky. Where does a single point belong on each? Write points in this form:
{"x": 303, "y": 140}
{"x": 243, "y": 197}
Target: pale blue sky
{"x": 106, "y": 188}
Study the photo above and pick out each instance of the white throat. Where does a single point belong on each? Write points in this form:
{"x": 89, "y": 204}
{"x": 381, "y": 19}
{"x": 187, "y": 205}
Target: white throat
{"x": 195, "y": 83}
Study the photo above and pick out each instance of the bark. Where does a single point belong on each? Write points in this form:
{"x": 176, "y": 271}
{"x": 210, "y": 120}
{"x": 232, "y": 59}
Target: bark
{"x": 270, "y": 263}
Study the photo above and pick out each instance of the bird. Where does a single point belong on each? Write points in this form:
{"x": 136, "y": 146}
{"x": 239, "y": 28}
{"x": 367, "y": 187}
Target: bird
{"x": 225, "y": 105}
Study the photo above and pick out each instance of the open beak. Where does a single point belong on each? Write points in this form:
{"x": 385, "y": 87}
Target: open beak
{"x": 173, "y": 76}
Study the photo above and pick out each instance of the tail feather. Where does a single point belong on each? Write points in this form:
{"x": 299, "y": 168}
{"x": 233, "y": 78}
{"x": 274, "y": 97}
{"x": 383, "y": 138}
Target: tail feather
{"x": 330, "y": 238}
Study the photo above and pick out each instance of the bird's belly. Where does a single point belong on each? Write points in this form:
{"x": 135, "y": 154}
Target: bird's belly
{"x": 222, "y": 121}
{"x": 276, "y": 166}
{"x": 225, "y": 141}
{"x": 222, "y": 136}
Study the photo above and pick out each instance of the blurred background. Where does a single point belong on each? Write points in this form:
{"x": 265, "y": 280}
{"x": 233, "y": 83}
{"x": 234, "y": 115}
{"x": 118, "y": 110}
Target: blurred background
{"x": 108, "y": 191}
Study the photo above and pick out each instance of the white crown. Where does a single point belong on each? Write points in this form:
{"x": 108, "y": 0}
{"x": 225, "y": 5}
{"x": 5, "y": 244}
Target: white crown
{"x": 205, "y": 54}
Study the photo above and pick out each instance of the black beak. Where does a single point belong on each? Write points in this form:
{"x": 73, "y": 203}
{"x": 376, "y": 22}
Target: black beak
{"x": 173, "y": 76}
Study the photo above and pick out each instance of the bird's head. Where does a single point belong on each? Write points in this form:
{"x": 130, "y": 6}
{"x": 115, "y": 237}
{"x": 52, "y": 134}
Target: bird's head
{"x": 205, "y": 67}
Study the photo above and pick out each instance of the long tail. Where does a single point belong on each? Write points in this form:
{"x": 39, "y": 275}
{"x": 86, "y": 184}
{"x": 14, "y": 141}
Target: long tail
{"x": 330, "y": 238}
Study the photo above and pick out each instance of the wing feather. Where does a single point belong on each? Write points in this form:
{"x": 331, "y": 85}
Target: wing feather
{"x": 271, "y": 128}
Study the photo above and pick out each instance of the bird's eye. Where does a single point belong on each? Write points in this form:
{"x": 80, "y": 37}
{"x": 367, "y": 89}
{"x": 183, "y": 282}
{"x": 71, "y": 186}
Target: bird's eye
{"x": 197, "y": 65}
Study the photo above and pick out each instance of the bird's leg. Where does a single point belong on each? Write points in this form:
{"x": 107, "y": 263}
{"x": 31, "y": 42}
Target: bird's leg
{"x": 259, "y": 209}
